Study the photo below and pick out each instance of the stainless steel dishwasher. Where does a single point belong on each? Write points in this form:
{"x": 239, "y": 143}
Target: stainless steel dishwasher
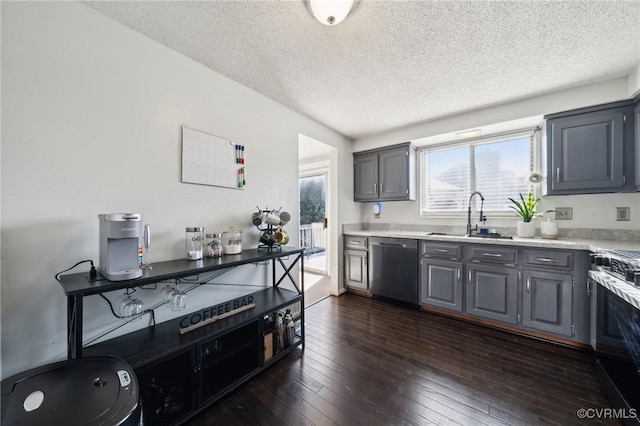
{"x": 393, "y": 269}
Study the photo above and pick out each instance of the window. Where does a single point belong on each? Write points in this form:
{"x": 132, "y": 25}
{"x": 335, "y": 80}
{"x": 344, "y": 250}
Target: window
{"x": 498, "y": 168}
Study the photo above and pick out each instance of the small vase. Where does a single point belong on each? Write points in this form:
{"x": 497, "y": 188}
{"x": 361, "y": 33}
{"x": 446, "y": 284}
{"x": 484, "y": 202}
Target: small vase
{"x": 549, "y": 230}
{"x": 526, "y": 229}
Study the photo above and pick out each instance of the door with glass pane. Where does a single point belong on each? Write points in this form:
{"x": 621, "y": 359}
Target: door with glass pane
{"x": 314, "y": 221}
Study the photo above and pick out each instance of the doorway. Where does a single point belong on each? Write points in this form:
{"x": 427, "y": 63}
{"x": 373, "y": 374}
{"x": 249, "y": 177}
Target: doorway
{"x": 317, "y": 173}
{"x": 314, "y": 221}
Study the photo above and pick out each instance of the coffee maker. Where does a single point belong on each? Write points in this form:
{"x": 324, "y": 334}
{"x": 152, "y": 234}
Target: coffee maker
{"x": 119, "y": 234}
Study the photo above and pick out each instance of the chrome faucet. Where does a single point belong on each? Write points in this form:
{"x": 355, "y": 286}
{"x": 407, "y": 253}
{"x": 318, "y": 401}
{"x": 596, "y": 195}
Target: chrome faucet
{"x": 469, "y": 211}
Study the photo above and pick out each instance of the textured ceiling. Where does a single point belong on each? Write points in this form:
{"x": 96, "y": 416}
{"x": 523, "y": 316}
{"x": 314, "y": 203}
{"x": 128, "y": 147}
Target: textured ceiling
{"x": 395, "y": 63}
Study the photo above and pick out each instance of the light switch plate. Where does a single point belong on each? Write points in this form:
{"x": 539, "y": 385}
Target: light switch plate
{"x": 564, "y": 213}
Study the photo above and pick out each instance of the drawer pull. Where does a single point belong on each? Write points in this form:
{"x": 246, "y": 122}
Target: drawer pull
{"x": 441, "y": 250}
{"x": 546, "y": 259}
{"x": 492, "y": 254}
{"x": 355, "y": 243}
{"x": 528, "y": 285}
{"x": 459, "y": 274}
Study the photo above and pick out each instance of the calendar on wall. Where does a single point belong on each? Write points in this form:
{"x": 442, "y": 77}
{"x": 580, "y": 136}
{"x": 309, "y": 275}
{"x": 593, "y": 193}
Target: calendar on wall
{"x": 212, "y": 160}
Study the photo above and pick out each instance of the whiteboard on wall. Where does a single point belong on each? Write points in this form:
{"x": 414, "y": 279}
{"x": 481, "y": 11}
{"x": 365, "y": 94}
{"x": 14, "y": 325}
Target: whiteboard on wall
{"x": 210, "y": 160}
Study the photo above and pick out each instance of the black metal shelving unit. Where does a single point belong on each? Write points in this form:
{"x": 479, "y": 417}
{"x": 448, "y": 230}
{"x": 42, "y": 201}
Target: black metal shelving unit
{"x": 232, "y": 348}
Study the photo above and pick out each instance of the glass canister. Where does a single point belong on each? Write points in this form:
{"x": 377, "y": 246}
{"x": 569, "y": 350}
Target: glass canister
{"x": 232, "y": 241}
{"x": 214, "y": 245}
{"x": 194, "y": 242}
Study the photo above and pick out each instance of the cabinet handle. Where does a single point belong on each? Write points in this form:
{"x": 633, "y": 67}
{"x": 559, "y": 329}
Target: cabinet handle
{"x": 528, "y": 285}
{"x": 588, "y": 287}
{"x": 364, "y": 261}
{"x": 375, "y": 188}
{"x": 492, "y": 254}
{"x": 440, "y": 250}
{"x": 355, "y": 243}
{"x": 459, "y": 274}
{"x": 558, "y": 174}
{"x": 392, "y": 245}
{"x": 469, "y": 276}
{"x": 546, "y": 259}
{"x": 380, "y": 187}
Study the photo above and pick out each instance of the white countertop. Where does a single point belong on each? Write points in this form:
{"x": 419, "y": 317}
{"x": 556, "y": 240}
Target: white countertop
{"x": 591, "y": 245}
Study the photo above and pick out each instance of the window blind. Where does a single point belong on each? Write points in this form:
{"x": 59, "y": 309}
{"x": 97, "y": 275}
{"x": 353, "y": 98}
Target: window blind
{"x": 497, "y": 167}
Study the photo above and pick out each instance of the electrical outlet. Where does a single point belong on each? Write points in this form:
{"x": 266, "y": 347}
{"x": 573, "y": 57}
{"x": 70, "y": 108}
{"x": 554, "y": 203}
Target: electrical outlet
{"x": 622, "y": 213}
{"x": 564, "y": 213}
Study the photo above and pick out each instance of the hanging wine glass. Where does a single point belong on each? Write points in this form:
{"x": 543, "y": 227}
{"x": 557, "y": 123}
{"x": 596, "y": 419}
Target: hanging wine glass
{"x": 129, "y": 306}
{"x": 167, "y": 293}
{"x": 178, "y": 300}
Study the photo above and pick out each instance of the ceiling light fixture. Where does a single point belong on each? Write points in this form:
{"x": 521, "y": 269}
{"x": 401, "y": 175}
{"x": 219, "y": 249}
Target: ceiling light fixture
{"x": 330, "y": 12}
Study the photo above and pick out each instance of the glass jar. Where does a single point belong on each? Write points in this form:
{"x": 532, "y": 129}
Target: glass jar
{"x": 194, "y": 242}
{"x": 214, "y": 245}
{"x": 232, "y": 241}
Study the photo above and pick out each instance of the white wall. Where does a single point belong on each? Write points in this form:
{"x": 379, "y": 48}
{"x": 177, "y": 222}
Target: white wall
{"x": 634, "y": 82}
{"x": 589, "y": 211}
{"x": 91, "y": 116}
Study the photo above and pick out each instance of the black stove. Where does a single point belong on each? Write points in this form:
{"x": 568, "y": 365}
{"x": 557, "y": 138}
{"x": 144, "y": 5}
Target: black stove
{"x": 615, "y": 328}
{"x": 623, "y": 264}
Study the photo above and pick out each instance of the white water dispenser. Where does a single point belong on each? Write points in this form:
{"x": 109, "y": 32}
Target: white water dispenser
{"x": 119, "y": 238}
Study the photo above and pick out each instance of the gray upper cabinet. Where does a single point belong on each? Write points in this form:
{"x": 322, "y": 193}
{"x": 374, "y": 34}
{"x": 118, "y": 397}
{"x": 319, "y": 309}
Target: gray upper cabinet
{"x": 385, "y": 174}
{"x": 365, "y": 177}
{"x": 636, "y": 121}
{"x": 590, "y": 150}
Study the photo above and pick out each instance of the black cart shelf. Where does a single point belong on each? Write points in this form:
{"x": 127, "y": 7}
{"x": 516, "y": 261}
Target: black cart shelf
{"x": 176, "y": 371}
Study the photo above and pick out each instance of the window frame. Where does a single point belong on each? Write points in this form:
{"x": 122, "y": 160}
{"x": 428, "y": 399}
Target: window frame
{"x": 535, "y": 163}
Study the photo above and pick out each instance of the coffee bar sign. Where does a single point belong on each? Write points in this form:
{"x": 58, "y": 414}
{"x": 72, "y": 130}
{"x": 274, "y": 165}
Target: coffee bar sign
{"x": 214, "y": 313}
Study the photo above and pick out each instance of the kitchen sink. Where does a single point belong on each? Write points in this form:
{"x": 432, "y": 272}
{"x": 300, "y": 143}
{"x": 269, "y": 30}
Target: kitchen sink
{"x": 491, "y": 236}
{"x": 488, "y": 236}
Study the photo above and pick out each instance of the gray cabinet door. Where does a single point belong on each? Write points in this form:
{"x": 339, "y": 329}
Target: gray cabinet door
{"x": 441, "y": 284}
{"x": 394, "y": 174}
{"x": 492, "y": 293}
{"x": 586, "y": 152}
{"x": 355, "y": 269}
{"x": 637, "y": 136}
{"x": 365, "y": 179}
{"x": 547, "y": 302}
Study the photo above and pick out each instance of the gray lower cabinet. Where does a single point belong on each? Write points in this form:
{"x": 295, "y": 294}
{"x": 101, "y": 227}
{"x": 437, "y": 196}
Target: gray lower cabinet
{"x": 547, "y": 302}
{"x": 441, "y": 284}
{"x": 356, "y": 273}
{"x": 355, "y": 269}
{"x": 492, "y": 292}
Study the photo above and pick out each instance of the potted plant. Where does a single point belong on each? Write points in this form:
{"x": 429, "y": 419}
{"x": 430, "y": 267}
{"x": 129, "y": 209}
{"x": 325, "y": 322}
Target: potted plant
{"x": 525, "y": 209}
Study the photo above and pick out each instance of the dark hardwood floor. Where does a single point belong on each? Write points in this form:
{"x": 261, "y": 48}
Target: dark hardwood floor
{"x": 367, "y": 362}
